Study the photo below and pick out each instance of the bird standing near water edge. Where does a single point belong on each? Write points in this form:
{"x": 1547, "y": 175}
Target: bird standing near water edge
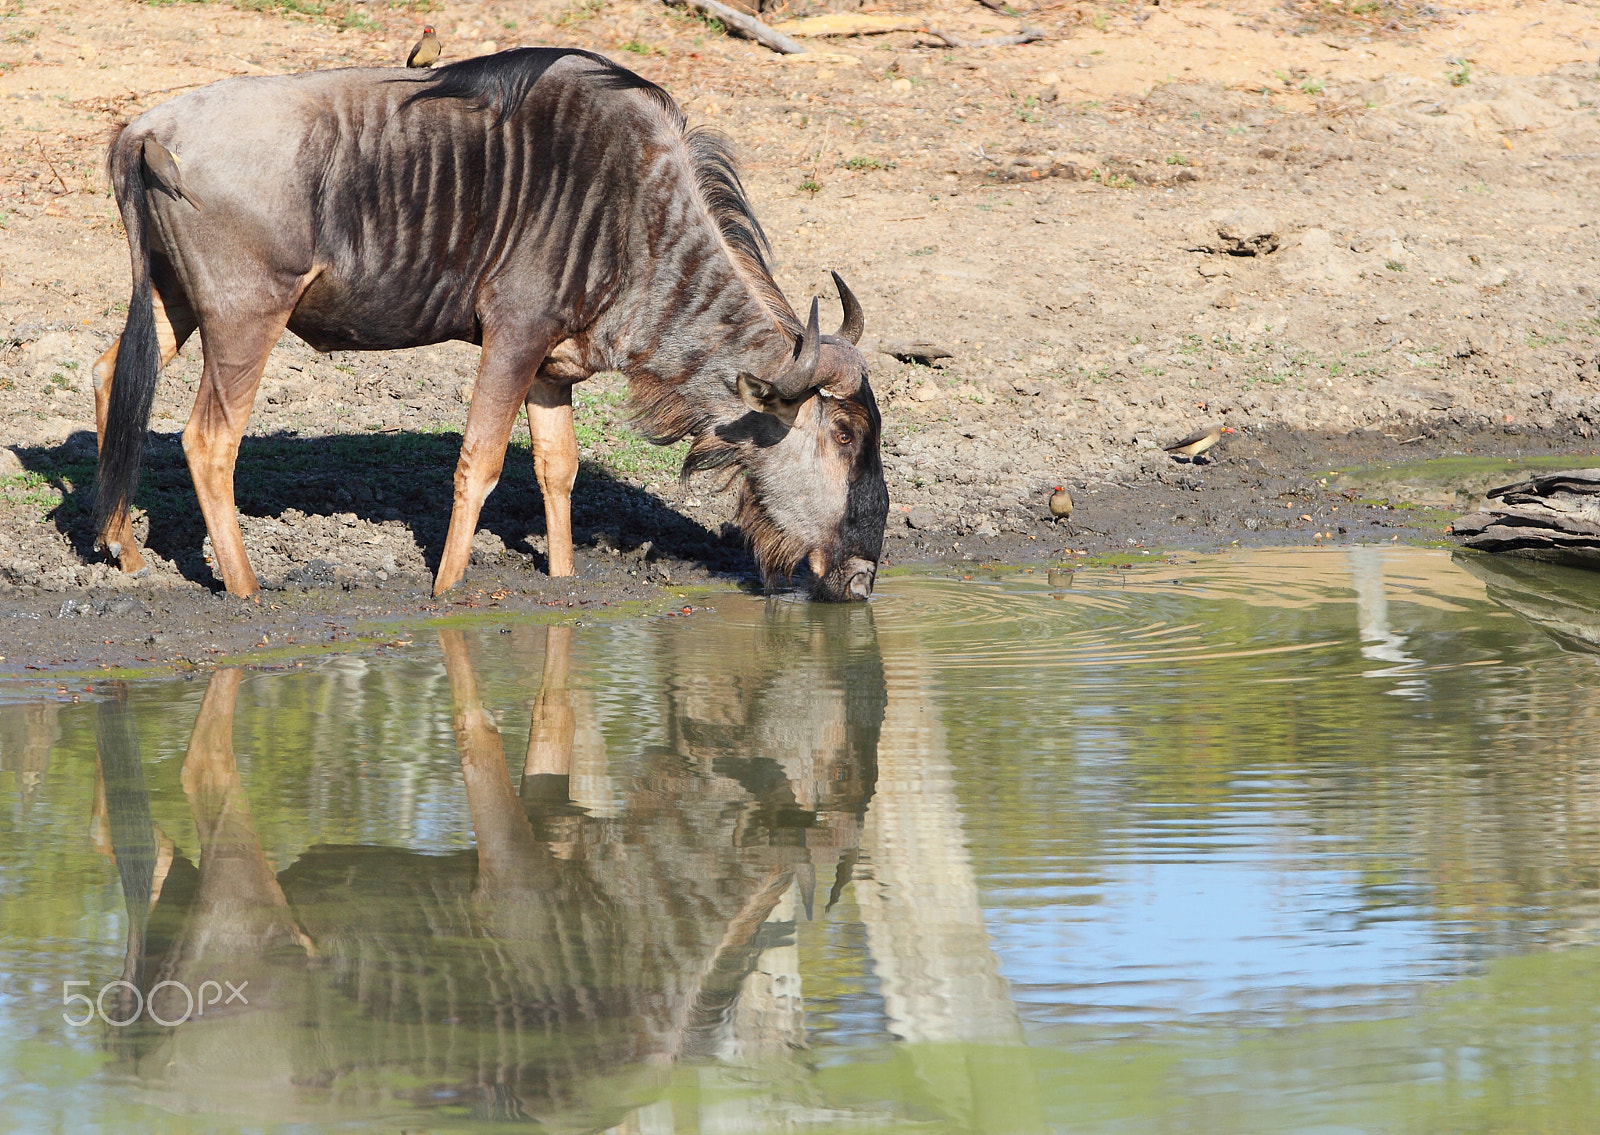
{"x": 1061, "y": 504}
{"x": 1197, "y": 443}
{"x": 426, "y": 51}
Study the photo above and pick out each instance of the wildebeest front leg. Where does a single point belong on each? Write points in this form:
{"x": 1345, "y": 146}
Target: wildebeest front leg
{"x": 234, "y": 359}
{"x": 555, "y": 463}
{"x": 174, "y": 324}
{"x": 503, "y": 379}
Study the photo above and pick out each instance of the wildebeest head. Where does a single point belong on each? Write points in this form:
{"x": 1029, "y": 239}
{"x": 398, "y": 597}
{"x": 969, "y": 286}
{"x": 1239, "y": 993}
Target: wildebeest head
{"x": 814, "y": 489}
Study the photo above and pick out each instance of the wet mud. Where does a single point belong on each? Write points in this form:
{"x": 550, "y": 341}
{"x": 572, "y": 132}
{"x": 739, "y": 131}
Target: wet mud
{"x": 1259, "y": 488}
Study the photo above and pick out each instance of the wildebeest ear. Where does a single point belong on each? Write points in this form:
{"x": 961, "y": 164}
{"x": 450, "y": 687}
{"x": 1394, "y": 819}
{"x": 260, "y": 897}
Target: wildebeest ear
{"x": 763, "y": 397}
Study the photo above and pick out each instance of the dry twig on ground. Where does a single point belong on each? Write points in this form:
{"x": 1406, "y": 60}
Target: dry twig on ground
{"x": 747, "y": 26}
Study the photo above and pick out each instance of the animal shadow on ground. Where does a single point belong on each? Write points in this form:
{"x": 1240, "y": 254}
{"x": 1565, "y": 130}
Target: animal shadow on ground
{"x": 378, "y": 477}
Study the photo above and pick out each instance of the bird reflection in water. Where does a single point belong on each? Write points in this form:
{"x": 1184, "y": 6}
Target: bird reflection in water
{"x": 560, "y": 968}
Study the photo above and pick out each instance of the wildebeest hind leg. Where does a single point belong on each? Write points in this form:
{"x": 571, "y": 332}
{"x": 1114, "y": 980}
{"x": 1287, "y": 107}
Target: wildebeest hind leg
{"x": 503, "y": 379}
{"x": 234, "y": 358}
{"x": 555, "y": 463}
{"x": 174, "y": 324}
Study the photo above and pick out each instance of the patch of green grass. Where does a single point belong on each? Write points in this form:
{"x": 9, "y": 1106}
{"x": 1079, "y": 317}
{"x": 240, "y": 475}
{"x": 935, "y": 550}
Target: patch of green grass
{"x": 1459, "y": 73}
{"x": 1177, "y": 160}
{"x": 1311, "y": 86}
{"x": 810, "y": 185}
{"x": 1394, "y": 265}
{"x": 1112, "y": 180}
{"x": 864, "y": 162}
{"x": 43, "y": 492}
{"x": 1537, "y": 340}
{"x": 925, "y": 250}
{"x": 578, "y": 11}
{"x": 638, "y": 47}
{"x": 600, "y": 421}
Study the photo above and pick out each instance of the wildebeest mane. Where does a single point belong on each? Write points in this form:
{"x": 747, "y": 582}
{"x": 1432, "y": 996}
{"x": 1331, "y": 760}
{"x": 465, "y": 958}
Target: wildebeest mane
{"x": 717, "y": 179}
{"x": 658, "y": 411}
{"x": 505, "y": 79}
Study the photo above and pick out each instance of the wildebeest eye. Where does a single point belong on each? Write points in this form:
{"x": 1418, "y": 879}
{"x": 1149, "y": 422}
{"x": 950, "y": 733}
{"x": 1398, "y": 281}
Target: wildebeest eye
{"x": 844, "y": 436}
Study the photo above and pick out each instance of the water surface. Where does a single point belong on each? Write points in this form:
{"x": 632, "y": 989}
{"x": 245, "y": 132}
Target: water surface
{"x": 1286, "y": 841}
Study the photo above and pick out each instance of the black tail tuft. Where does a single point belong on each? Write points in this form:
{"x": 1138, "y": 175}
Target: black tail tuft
{"x": 133, "y": 384}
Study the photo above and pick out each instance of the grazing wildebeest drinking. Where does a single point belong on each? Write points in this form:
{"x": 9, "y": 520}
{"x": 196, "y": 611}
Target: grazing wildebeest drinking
{"x": 542, "y": 202}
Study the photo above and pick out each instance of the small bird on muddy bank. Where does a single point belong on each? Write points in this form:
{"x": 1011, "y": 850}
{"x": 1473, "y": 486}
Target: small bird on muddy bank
{"x": 1061, "y": 504}
{"x": 426, "y": 51}
{"x": 1197, "y": 443}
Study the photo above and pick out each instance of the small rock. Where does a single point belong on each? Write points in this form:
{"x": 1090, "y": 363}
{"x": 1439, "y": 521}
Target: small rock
{"x": 922, "y": 518}
{"x": 925, "y": 392}
{"x": 1248, "y": 231}
{"x": 1223, "y": 298}
{"x": 487, "y": 548}
{"x": 915, "y": 352}
{"x": 10, "y": 463}
{"x": 464, "y": 393}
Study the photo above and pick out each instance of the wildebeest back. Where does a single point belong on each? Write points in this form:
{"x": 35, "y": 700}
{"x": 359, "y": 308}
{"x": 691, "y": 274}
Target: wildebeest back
{"x": 408, "y": 212}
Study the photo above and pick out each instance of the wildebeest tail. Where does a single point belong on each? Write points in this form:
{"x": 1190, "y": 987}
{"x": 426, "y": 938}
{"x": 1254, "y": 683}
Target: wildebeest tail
{"x": 133, "y": 383}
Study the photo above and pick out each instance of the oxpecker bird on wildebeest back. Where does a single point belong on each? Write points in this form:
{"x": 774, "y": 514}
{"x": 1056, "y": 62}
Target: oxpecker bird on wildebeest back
{"x": 544, "y": 203}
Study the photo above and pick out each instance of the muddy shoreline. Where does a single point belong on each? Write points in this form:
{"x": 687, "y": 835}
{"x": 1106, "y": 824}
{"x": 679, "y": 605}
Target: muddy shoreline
{"x": 1264, "y": 488}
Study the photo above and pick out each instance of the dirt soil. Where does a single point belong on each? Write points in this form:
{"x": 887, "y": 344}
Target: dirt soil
{"x": 1358, "y": 234}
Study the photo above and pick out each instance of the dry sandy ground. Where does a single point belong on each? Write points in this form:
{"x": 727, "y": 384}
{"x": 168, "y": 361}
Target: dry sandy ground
{"x": 1047, "y": 213}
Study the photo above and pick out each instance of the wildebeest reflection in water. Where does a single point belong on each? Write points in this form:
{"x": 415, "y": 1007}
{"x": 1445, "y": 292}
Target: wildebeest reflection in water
{"x": 557, "y": 971}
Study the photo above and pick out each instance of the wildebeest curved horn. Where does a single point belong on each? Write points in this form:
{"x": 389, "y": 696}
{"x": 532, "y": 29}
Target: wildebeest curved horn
{"x": 854, "y": 322}
{"x": 800, "y": 375}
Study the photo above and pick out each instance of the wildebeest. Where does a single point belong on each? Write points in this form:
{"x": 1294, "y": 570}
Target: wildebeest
{"x": 545, "y": 203}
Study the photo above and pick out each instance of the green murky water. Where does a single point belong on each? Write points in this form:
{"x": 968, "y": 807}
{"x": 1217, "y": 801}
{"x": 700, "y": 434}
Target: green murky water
{"x": 1291, "y": 841}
